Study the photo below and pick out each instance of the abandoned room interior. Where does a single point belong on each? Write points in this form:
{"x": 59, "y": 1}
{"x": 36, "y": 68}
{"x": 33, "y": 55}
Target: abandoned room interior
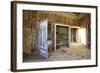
{"x": 56, "y": 36}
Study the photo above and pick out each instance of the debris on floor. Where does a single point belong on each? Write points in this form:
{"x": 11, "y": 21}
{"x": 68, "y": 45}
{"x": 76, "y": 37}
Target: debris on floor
{"x": 74, "y": 52}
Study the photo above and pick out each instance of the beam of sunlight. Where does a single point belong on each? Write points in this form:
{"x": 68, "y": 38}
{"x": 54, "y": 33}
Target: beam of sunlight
{"x": 82, "y": 33}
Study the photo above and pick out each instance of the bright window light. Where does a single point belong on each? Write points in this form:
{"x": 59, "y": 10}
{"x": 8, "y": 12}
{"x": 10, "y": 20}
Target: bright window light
{"x": 82, "y": 32}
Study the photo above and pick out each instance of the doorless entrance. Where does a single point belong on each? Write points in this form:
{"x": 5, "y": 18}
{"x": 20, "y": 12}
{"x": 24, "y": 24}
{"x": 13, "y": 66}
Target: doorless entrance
{"x": 61, "y": 35}
{"x": 74, "y": 34}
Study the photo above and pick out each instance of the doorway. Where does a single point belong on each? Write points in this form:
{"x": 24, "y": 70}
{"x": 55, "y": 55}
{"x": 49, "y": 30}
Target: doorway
{"x": 74, "y": 34}
{"x": 61, "y": 36}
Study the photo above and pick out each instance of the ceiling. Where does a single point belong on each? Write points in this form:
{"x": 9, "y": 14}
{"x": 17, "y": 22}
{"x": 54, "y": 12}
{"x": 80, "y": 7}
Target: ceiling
{"x": 72, "y": 15}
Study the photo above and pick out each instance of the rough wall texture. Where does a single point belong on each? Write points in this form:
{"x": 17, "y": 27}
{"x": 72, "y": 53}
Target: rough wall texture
{"x": 85, "y": 22}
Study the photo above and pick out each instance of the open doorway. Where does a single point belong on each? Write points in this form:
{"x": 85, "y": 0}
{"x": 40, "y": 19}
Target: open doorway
{"x": 74, "y": 34}
{"x": 61, "y": 36}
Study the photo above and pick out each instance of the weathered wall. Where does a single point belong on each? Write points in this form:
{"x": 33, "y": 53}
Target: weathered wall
{"x": 57, "y": 18}
{"x": 26, "y": 32}
{"x": 85, "y": 23}
{"x": 30, "y": 31}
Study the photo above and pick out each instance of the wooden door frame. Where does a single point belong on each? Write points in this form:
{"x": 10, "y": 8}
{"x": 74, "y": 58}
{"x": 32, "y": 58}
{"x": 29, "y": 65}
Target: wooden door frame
{"x": 77, "y": 27}
{"x": 56, "y": 24}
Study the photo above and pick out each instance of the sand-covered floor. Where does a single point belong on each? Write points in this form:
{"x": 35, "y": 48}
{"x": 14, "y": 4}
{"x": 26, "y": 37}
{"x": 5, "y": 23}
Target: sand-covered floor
{"x": 74, "y": 52}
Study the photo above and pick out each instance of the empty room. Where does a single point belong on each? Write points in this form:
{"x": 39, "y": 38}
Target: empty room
{"x": 56, "y": 36}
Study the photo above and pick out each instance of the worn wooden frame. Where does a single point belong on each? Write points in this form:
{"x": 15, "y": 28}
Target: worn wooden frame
{"x": 14, "y": 35}
{"x": 55, "y": 31}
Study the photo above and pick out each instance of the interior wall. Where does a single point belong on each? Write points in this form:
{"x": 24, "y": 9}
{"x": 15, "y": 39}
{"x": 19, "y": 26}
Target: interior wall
{"x": 85, "y": 27}
{"x": 30, "y": 31}
{"x": 57, "y": 18}
{"x": 26, "y": 32}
